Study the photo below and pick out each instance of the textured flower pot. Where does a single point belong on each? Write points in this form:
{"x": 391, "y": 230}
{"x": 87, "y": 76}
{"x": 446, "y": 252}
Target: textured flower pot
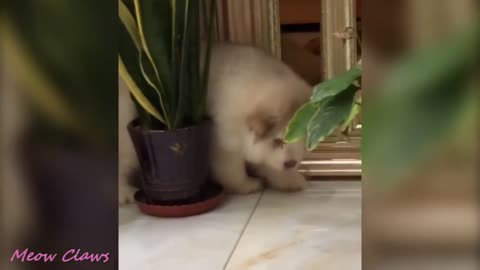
{"x": 174, "y": 164}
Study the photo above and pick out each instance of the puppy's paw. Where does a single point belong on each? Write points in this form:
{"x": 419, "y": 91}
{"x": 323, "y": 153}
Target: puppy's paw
{"x": 291, "y": 183}
{"x": 298, "y": 182}
{"x": 125, "y": 194}
{"x": 252, "y": 185}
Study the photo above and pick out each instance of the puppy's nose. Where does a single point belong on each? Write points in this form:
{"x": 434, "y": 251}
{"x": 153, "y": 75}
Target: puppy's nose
{"x": 290, "y": 164}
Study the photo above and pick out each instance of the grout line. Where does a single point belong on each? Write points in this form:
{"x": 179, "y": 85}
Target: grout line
{"x": 243, "y": 229}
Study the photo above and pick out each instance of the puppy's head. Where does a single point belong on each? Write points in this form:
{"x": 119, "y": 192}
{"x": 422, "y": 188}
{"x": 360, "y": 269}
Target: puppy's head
{"x": 265, "y": 143}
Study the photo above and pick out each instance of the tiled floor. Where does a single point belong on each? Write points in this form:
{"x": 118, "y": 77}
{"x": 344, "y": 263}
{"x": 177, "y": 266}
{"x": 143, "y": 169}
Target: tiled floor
{"x": 318, "y": 228}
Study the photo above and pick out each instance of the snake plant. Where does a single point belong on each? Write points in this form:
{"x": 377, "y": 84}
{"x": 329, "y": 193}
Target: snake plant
{"x": 160, "y": 59}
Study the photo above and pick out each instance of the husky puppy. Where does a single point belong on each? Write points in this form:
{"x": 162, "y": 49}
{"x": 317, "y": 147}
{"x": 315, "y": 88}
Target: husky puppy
{"x": 252, "y": 96}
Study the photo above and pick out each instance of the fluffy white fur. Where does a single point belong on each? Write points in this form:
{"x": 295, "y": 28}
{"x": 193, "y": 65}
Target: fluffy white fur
{"x": 251, "y": 98}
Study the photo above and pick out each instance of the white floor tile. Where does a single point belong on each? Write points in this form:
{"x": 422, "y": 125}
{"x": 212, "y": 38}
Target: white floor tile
{"x": 319, "y": 228}
{"x": 202, "y": 242}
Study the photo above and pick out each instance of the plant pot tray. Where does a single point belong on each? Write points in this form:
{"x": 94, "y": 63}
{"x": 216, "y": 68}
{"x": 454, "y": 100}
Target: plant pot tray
{"x": 208, "y": 199}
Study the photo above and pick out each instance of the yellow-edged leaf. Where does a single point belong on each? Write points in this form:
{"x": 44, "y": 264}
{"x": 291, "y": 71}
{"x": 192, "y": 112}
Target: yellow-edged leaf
{"x": 39, "y": 89}
{"x": 137, "y": 93}
{"x": 143, "y": 40}
{"x": 129, "y": 22}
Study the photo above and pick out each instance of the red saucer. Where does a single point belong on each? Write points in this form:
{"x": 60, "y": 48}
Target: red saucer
{"x": 208, "y": 199}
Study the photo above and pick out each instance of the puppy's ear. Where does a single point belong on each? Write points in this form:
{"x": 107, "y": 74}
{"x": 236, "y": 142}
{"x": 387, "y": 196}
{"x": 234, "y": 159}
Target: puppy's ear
{"x": 261, "y": 125}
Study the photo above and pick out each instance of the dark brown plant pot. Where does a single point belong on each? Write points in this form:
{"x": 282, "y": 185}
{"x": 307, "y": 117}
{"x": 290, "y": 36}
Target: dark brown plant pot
{"x": 174, "y": 164}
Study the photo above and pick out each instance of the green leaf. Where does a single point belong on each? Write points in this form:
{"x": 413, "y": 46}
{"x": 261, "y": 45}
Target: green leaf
{"x": 201, "y": 111}
{"x": 129, "y": 23}
{"x": 130, "y": 6}
{"x": 137, "y": 93}
{"x": 61, "y": 39}
{"x": 336, "y": 85}
{"x": 353, "y": 112}
{"x": 327, "y": 117}
{"x": 154, "y": 19}
{"x": 186, "y": 24}
{"x": 148, "y": 73}
{"x": 297, "y": 128}
{"x": 131, "y": 72}
{"x": 191, "y": 100}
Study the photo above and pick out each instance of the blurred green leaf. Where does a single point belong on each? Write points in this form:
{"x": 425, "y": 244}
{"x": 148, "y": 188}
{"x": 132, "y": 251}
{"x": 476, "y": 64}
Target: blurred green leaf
{"x": 418, "y": 106}
{"x": 327, "y": 117}
{"x": 59, "y": 40}
{"x": 336, "y": 85}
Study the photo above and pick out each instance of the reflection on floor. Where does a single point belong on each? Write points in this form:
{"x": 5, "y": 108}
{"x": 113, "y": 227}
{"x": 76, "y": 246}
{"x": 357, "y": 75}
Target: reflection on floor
{"x": 315, "y": 229}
